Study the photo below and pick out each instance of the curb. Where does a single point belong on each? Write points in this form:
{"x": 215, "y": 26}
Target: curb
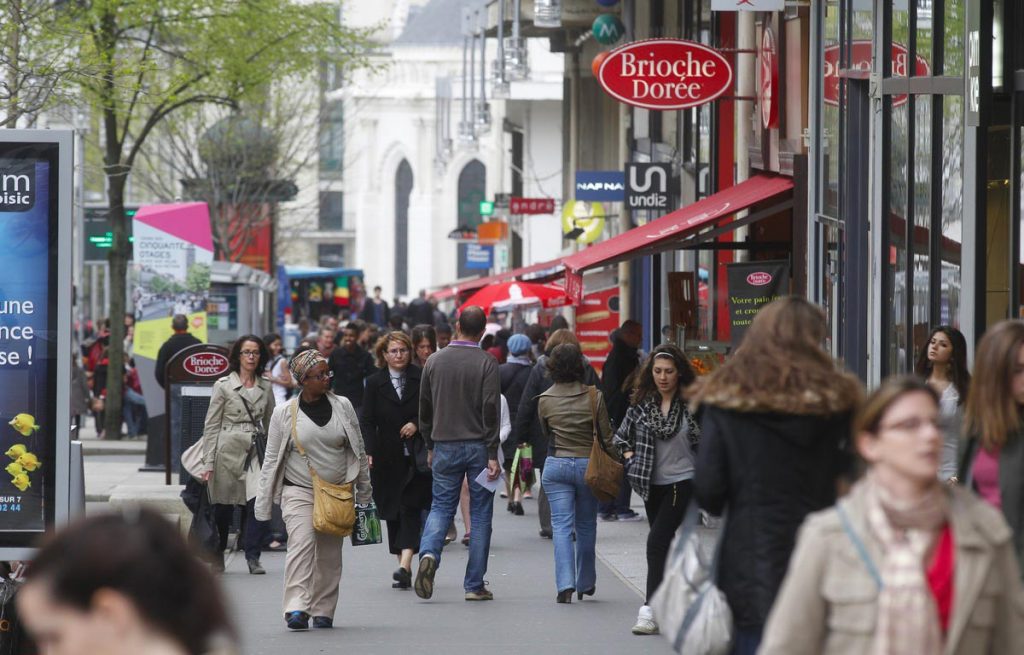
{"x": 88, "y": 451}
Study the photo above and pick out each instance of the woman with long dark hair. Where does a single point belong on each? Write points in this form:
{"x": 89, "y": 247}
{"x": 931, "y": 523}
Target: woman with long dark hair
{"x": 775, "y": 430}
{"x": 658, "y": 439}
{"x": 424, "y": 343}
{"x": 277, "y": 368}
{"x": 942, "y": 363}
{"x": 240, "y": 408}
{"x": 994, "y": 423}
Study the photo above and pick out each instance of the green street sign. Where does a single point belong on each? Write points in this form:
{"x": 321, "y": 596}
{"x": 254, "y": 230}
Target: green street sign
{"x": 486, "y": 207}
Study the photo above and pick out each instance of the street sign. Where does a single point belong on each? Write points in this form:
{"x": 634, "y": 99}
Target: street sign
{"x": 648, "y": 186}
{"x": 665, "y": 74}
{"x": 603, "y": 186}
{"x": 98, "y": 235}
{"x": 479, "y": 257}
{"x": 486, "y": 207}
{"x": 531, "y": 205}
{"x": 582, "y": 221}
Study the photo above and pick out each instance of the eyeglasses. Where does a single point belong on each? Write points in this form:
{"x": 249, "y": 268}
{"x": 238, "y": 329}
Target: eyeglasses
{"x": 399, "y": 351}
{"x": 250, "y": 353}
{"x": 323, "y": 376}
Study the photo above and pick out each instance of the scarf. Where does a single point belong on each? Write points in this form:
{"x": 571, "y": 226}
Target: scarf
{"x": 304, "y": 361}
{"x": 908, "y": 621}
{"x": 662, "y": 426}
{"x": 518, "y": 359}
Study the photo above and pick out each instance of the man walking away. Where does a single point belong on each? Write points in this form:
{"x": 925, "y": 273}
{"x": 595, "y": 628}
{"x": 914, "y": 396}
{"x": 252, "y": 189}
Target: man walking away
{"x": 351, "y": 365}
{"x": 460, "y": 408}
{"x": 617, "y": 384}
{"x": 421, "y": 312}
{"x": 180, "y": 340}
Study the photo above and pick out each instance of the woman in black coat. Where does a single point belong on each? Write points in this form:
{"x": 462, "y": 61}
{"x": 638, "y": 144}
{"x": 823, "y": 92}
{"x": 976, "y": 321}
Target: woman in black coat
{"x": 396, "y": 449}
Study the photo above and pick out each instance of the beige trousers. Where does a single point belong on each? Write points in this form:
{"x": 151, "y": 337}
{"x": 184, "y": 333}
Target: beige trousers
{"x": 312, "y": 569}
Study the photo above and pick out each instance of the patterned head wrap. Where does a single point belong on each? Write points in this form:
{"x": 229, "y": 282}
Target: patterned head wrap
{"x": 303, "y": 362}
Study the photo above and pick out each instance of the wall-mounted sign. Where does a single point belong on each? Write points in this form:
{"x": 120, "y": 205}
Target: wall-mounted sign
{"x": 860, "y": 59}
{"x": 752, "y": 285}
{"x": 748, "y": 5}
{"x": 463, "y": 234}
{"x": 206, "y": 365}
{"x": 648, "y": 186}
{"x": 608, "y": 29}
{"x": 492, "y": 232}
{"x": 769, "y": 79}
{"x": 603, "y": 186}
{"x": 531, "y": 205}
{"x": 479, "y": 257}
{"x": 486, "y": 207}
{"x": 582, "y": 221}
{"x": 665, "y": 74}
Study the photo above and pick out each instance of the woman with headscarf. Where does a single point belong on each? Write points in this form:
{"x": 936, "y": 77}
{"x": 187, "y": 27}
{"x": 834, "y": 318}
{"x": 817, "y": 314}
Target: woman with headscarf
{"x": 326, "y": 427}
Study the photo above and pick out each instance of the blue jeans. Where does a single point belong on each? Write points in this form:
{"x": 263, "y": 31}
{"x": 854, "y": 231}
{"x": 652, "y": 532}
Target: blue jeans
{"x": 134, "y": 410}
{"x": 453, "y": 461}
{"x": 573, "y": 507}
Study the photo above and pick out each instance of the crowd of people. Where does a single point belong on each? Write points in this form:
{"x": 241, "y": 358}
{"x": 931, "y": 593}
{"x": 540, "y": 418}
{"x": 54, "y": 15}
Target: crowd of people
{"x": 890, "y": 523}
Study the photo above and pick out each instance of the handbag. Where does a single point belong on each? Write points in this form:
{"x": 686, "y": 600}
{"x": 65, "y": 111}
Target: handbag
{"x": 604, "y": 472}
{"x": 334, "y": 506}
{"x": 258, "y": 447}
{"x": 367, "y": 528}
{"x": 692, "y": 612}
{"x": 192, "y": 459}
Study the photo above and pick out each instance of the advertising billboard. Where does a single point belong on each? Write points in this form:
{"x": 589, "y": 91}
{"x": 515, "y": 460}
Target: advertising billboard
{"x": 35, "y": 334}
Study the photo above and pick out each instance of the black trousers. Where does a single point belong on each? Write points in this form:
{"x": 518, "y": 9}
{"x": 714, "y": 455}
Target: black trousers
{"x": 404, "y": 532}
{"x": 253, "y": 533}
{"x": 666, "y": 507}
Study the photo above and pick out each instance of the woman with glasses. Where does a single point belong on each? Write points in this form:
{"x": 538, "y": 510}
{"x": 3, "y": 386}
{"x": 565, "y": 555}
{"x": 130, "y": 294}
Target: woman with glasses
{"x": 240, "y": 408}
{"x": 903, "y": 563}
{"x": 326, "y": 427}
{"x": 401, "y": 484}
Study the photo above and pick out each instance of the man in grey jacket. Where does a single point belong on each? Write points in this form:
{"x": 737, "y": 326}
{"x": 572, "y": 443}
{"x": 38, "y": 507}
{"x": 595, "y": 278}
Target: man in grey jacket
{"x": 460, "y": 410}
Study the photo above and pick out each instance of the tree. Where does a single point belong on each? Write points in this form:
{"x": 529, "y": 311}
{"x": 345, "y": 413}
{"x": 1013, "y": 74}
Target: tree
{"x": 197, "y": 280}
{"x": 151, "y": 58}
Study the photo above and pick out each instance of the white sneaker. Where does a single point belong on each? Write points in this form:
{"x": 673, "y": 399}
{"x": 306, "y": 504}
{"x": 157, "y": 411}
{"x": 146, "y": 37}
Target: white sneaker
{"x": 645, "y": 623}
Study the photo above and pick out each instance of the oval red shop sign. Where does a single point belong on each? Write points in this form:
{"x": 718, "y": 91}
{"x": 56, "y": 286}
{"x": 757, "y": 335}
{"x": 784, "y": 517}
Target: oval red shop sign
{"x": 206, "y": 365}
{"x": 860, "y": 60}
{"x": 665, "y": 74}
{"x": 759, "y": 278}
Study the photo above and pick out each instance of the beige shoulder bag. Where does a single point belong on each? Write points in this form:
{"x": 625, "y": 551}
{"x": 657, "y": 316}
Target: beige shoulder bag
{"x": 334, "y": 507}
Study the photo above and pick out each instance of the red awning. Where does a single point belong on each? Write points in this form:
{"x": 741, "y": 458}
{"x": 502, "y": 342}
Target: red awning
{"x": 449, "y": 291}
{"x": 664, "y": 233}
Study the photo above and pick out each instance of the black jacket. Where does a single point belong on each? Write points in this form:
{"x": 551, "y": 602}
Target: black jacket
{"x": 420, "y": 312}
{"x": 350, "y": 370}
{"x": 618, "y": 369}
{"x": 395, "y": 480}
{"x": 768, "y": 471}
{"x": 368, "y": 311}
{"x": 513, "y": 382}
{"x": 180, "y": 341}
{"x": 526, "y": 425}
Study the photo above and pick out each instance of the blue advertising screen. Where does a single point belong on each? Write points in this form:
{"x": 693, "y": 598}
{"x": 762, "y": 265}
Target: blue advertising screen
{"x": 28, "y": 338}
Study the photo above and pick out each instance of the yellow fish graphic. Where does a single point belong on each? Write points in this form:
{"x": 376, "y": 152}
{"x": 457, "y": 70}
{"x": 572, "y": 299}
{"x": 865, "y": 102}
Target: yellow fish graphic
{"x": 28, "y": 461}
{"x": 24, "y": 424}
{"x": 16, "y": 451}
{"x": 14, "y": 468}
{"x": 21, "y": 481}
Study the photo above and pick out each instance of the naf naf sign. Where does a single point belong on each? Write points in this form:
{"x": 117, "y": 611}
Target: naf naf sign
{"x": 600, "y": 186}
{"x": 648, "y": 186}
{"x": 17, "y": 188}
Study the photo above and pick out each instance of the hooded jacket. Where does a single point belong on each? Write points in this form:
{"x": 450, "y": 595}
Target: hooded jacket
{"x": 768, "y": 470}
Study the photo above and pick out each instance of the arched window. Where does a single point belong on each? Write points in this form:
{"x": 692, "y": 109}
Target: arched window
{"x": 472, "y": 189}
{"x": 403, "y": 189}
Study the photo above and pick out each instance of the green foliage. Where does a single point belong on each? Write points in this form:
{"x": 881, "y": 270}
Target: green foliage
{"x": 197, "y": 280}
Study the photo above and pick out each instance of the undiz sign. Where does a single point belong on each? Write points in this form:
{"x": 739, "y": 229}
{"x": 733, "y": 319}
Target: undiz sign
{"x": 665, "y": 74}
{"x": 860, "y": 60}
{"x": 206, "y": 365}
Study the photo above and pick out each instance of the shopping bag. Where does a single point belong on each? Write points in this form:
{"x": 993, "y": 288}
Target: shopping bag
{"x": 203, "y": 532}
{"x": 367, "y": 528}
{"x": 691, "y": 611}
{"x": 526, "y": 465}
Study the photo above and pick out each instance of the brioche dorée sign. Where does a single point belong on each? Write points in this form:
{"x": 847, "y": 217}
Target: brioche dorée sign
{"x": 860, "y": 60}
{"x": 665, "y": 74}
{"x": 206, "y": 364}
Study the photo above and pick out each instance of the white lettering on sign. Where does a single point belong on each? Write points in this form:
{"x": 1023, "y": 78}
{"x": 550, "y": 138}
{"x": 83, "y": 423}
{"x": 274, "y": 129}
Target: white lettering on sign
{"x": 973, "y": 71}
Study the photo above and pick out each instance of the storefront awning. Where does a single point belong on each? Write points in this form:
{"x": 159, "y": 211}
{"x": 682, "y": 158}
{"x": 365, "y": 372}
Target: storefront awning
{"x": 534, "y": 272}
{"x": 666, "y": 232}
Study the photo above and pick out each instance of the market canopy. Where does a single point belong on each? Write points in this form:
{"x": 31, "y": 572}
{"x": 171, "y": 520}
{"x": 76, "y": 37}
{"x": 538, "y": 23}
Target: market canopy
{"x": 506, "y": 295}
{"x": 689, "y": 222}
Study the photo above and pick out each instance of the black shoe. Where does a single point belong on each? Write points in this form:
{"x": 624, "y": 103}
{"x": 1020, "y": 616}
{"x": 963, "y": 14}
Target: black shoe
{"x": 517, "y": 508}
{"x": 511, "y": 507}
{"x": 545, "y": 534}
{"x": 587, "y": 592}
{"x": 425, "y": 577}
{"x": 297, "y": 620}
{"x": 565, "y": 596}
{"x": 217, "y": 561}
{"x": 255, "y": 568}
{"x": 323, "y": 622}
{"x": 402, "y": 578}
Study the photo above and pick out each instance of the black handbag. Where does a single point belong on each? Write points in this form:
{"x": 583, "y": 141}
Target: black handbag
{"x": 203, "y": 531}
{"x": 258, "y": 447}
{"x": 418, "y": 452}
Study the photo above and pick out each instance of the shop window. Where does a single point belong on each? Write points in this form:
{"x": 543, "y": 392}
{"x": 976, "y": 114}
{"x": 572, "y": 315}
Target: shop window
{"x": 952, "y": 203}
{"x": 898, "y": 355}
{"x": 953, "y": 58}
{"x": 331, "y": 138}
{"x": 920, "y": 317}
{"x": 331, "y": 211}
{"x": 331, "y": 255}
{"x": 471, "y": 190}
{"x": 403, "y": 189}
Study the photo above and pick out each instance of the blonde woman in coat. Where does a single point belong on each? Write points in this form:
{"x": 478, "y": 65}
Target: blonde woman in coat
{"x": 231, "y": 466}
{"x": 903, "y": 565}
{"x": 328, "y": 430}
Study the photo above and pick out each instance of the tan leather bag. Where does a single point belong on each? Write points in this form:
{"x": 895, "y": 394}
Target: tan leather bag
{"x": 604, "y": 472}
{"x": 334, "y": 505}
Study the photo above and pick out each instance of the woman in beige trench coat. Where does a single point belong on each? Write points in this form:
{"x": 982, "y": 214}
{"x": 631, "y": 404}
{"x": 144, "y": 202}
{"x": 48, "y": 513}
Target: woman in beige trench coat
{"x": 904, "y": 565}
{"x": 231, "y": 467}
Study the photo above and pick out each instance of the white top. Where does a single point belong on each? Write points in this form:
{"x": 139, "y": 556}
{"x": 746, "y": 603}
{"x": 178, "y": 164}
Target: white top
{"x": 949, "y": 409}
{"x": 505, "y": 428}
{"x": 280, "y": 390}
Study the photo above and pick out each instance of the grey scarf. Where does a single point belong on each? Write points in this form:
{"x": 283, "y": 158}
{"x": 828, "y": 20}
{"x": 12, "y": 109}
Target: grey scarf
{"x": 662, "y": 426}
